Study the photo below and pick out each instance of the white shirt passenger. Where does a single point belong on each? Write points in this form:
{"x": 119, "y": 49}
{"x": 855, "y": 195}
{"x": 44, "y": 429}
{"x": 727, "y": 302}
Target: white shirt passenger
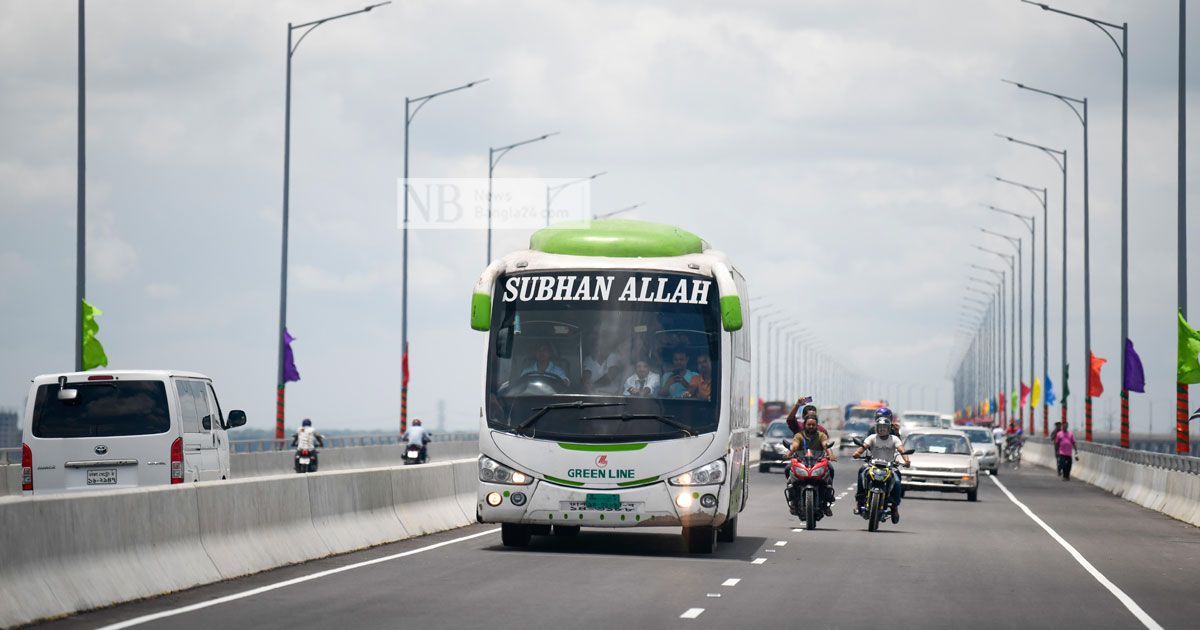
{"x": 882, "y": 448}
{"x": 638, "y": 383}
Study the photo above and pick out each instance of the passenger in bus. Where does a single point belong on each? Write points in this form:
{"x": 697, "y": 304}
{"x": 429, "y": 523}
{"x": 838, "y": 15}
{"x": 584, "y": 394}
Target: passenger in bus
{"x": 677, "y": 382}
{"x": 642, "y": 382}
{"x": 701, "y": 384}
{"x": 601, "y": 368}
{"x": 542, "y": 364}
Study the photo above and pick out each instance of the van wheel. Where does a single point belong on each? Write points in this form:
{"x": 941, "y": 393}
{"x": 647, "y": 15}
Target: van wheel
{"x": 700, "y": 539}
{"x": 514, "y": 535}
{"x": 728, "y": 532}
{"x": 973, "y": 494}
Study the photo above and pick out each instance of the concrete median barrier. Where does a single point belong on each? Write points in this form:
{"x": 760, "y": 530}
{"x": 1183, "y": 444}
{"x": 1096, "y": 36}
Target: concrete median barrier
{"x": 425, "y": 498}
{"x": 354, "y": 509}
{"x": 72, "y": 552}
{"x": 1160, "y": 482}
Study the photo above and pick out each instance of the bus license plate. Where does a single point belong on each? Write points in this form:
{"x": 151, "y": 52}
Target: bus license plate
{"x": 603, "y": 502}
{"x": 102, "y": 477}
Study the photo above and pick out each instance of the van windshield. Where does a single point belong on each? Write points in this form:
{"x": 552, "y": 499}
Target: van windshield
{"x": 103, "y": 409}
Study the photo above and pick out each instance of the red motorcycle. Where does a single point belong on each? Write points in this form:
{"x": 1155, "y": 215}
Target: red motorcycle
{"x": 807, "y": 487}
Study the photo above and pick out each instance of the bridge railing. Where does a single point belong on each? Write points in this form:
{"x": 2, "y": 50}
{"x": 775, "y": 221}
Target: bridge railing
{"x": 339, "y": 441}
{"x": 1165, "y": 461}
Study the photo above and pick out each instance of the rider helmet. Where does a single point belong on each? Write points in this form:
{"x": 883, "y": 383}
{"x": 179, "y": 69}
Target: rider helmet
{"x": 417, "y": 422}
{"x": 306, "y": 423}
{"x": 883, "y": 412}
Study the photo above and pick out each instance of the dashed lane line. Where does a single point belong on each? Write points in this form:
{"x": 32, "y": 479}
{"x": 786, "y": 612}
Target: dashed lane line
{"x": 1126, "y": 600}
{"x": 758, "y": 561}
{"x": 692, "y": 613}
{"x": 731, "y": 582}
{"x": 278, "y": 585}
{"x": 780, "y": 543}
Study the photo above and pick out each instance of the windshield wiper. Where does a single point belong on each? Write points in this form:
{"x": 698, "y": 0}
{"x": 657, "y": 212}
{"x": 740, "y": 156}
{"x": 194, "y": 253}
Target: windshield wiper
{"x": 667, "y": 420}
{"x": 578, "y": 404}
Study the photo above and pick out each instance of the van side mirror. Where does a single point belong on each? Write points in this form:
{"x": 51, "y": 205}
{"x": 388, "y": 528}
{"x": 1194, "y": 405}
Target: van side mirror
{"x": 236, "y": 418}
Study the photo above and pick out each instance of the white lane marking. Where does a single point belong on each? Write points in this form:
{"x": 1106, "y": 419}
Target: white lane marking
{"x": 780, "y": 543}
{"x": 278, "y": 585}
{"x": 758, "y": 561}
{"x": 691, "y": 613}
{"x": 1131, "y": 605}
{"x": 731, "y": 582}
{"x": 712, "y": 594}
{"x": 769, "y": 550}
{"x": 797, "y": 530}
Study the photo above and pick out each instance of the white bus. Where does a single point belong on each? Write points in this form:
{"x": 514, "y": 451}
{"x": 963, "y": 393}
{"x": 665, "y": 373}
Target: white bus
{"x": 617, "y": 389}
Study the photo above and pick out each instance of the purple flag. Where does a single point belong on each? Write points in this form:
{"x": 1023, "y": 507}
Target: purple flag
{"x": 290, "y": 373}
{"x": 1135, "y": 378}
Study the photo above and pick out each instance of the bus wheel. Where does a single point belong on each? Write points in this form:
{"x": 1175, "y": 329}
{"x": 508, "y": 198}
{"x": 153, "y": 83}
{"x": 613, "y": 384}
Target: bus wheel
{"x": 514, "y": 535}
{"x": 728, "y": 531}
{"x": 701, "y": 539}
{"x": 566, "y": 530}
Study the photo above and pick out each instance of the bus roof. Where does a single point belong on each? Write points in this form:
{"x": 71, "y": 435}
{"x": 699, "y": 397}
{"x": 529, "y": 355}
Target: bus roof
{"x": 618, "y": 238}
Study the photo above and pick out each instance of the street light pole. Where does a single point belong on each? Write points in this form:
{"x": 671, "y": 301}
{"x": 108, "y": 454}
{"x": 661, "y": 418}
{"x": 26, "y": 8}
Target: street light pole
{"x": 495, "y": 154}
{"x": 1055, "y": 154}
{"x": 1040, "y": 194}
{"x": 613, "y": 213}
{"x": 81, "y": 193}
{"x": 553, "y": 191}
{"x": 1123, "y": 49}
{"x": 287, "y": 147}
{"x": 409, "y": 113}
{"x": 1030, "y": 223}
{"x": 1012, "y": 318}
{"x": 1182, "y": 441}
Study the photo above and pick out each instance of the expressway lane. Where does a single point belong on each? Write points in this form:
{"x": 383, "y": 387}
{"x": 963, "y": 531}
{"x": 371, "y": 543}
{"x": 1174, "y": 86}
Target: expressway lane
{"x": 949, "y": 563}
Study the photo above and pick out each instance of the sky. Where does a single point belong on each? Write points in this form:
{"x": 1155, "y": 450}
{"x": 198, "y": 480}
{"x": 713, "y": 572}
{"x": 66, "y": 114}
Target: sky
{"x": 838, "y": 152}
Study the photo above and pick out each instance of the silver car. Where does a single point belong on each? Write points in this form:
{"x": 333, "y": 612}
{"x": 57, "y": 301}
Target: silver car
{"x": 942, "y": 461}
{"x": 984, "y": 447}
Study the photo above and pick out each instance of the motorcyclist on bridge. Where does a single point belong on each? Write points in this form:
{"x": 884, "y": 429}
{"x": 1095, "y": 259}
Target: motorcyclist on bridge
{"x": 307, "y": 439}
{"x": 882, "y": 445}
{"x": 416, "y": 434}
{"x": 814, "y": 438}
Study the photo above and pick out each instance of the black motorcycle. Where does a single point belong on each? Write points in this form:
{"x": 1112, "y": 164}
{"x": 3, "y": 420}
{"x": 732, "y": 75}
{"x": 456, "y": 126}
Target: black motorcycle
{"x": 881, "y": 480}
{"x": 415, "y": 454}
{"x": 306, "y": 460}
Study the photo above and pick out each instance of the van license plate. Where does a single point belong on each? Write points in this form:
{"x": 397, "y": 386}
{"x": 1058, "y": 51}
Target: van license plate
{"x": 102, "y": 477}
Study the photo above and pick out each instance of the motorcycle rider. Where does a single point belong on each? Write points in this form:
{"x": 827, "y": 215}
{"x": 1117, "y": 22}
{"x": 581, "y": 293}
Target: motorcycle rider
{"x": 416, "y": 434}
{"x": 814, "y": 438}
{"x": 882, "y": 445}
{"x": 808, "y": 408}
{"x": 307, "y": 439}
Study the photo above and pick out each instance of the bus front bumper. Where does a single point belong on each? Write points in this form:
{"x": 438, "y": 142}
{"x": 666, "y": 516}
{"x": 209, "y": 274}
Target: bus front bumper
{"x": 655, "y": 505}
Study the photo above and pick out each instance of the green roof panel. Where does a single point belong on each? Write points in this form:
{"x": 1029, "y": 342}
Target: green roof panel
{"x": 616, "y": 238}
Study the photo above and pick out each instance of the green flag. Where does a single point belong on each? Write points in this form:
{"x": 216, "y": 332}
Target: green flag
{"x": 1066, "y": 381}
{"x": 1014, "y": 401}
{"x": 93, "y": 352}
{"x": 1189, "y": 347}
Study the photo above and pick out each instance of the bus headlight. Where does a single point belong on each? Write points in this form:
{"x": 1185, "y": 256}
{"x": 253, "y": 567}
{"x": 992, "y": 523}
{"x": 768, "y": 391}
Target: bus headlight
{"x": 710, "y": 474}
{"x": 492, "y": 471}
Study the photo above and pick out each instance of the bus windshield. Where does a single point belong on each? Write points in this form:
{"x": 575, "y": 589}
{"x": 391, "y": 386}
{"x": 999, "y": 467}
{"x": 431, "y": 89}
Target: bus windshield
{"x": 604, "y": 355}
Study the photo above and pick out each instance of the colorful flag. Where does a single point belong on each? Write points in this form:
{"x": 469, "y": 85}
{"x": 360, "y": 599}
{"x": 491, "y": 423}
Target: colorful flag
{"x": 1135, "y": 376}
{"x": 993, "y": 407}
{"x": 1095, "y": 387}
{"x": 1188, "y": 370}
{"x": 983, "y": 407}
{"x": 1037, "y": 392}
{"x": 93, "y": 353}
{"x": 1014, "y": 406}
{"x": 1050, "y": 397}
{"x": 1024, "y": 393}
{"x": 1000, "y": 400}
{"x": 1066, "y": 382}
{"x": 290, "y": 373}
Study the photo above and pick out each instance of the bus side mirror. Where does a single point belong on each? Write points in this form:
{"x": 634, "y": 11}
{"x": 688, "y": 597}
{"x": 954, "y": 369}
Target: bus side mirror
{"x": 481, "y": 311}
{"x": 236, "y": 418}
{"x": 731, "y": 312}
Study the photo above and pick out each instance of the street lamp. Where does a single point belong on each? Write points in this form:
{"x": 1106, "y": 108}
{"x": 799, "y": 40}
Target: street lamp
{"x": 1020, "y": 310}
{"x": 495, "y": 154}
{"x": 1030, "y": 222}
{"x": 1055, "y": 155}
{"x": 553, "y": 191}
{"x": 1008, "y": 320}
{"x": 307, "y": 27}
{"x": 410, "y": 112}
{"x": 1040, "y": 195}
{"x": 1123, "y": 49}
{"x": 613, "y": 213}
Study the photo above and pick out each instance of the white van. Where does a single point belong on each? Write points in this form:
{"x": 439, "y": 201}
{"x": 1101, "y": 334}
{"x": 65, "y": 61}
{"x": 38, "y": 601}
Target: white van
{"x": 121, "y": 429}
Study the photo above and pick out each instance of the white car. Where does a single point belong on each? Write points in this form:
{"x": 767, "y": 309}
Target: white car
{"x": 121, "y": 429}
{"x": 984, "y": 447}
{"x": 913, "y": 420}
{"x": 942, "y": 461}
